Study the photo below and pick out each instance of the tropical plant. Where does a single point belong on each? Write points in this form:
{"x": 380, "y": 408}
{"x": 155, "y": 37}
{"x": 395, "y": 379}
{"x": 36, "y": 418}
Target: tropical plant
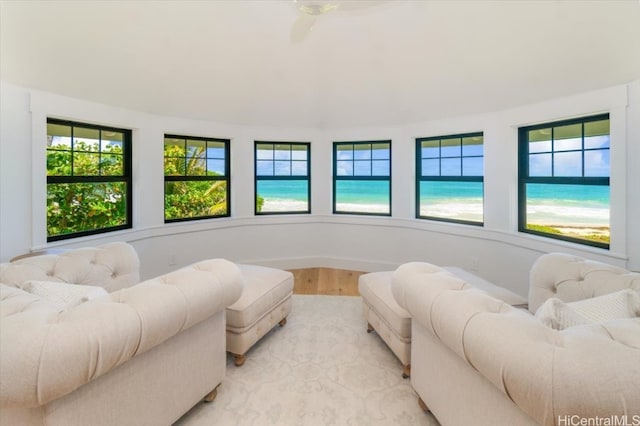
{"x": 191, "y": 198}
{"x": 74, "y": 207}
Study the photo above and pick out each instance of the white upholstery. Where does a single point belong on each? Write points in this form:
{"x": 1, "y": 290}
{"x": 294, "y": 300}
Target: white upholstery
{"x": 112, "y": 353}
{"x": 465, "y": 341}
{"x": 265, "y": 301}
{"x": 63, "y": 293}
{"x": 375, "y": 289}
{"x": 572, "y": 278}
{"x": 496, "y": 291}
{"x": 560, "y": 315}
{"x": 112, "y": 266}
{"x": 393, "y": 323}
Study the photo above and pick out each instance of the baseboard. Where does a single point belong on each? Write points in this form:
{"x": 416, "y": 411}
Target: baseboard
{"x": 324, "y": 262}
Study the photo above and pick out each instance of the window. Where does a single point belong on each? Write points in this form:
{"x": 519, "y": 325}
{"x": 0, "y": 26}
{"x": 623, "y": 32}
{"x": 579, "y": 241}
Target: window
{"x": 282, "y": 177}
{"x": 564, "y": 180}
{"x": 450, "y": 181}
{"x": 362, "y": 177}
{"x": 88, "y": 179}
{"x": 196, "y": 178}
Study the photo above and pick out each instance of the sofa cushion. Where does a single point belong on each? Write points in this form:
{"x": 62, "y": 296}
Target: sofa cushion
{"x": 560, "y": 315}
{"x": 264, "y": 288}
{"x": 63, "y": 293}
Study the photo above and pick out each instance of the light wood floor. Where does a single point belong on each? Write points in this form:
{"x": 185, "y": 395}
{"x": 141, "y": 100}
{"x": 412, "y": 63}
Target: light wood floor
{"x": 327, "y": 281}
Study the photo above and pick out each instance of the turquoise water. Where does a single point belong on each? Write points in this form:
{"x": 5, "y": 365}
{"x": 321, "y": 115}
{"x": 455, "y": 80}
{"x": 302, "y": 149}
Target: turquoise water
{"x": 568, "y": 204}
{"x": 362, "y": 192}
{"x": 446, "y": 192}
{"x": 352, "y": 192}
{"x": 547, "y": 204}
{"x": 363, "y": 196}
{"x": 282, "y": 196}
{"x": 452, "y": 200}
{"x": 283, "y": 190}
{"x": 569, "y": 195}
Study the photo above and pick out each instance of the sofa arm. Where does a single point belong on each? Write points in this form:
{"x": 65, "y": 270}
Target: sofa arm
{"x": 46, "y": 354}
{"x": 423, "y": 290}
{"x": 408, "y": 278}
{"x": 462, "y": 279}
{"x": 181, "y": 298}
{"x": 572, "y": 278}
{"x": 112, "y": 266}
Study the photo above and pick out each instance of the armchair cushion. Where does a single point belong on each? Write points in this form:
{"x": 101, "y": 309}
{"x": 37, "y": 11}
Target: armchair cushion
{"x": 560, "y": 315}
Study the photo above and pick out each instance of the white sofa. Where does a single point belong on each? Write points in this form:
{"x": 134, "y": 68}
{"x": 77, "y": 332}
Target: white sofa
{"x": 393, "y": 324}
{"x": 477, "y": 360}
{"x": 143, "y": 354}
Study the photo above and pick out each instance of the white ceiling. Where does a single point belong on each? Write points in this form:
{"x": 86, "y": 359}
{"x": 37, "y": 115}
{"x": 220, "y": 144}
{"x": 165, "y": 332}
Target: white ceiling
{"x": 396, "y": 62}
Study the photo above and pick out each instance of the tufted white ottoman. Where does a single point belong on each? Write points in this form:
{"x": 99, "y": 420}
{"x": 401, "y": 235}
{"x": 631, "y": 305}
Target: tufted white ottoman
{"x": 393, "y": 324}
{"x": 265, "y": 302}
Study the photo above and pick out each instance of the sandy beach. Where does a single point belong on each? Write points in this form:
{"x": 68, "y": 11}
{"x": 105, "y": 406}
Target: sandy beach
{"x": 362, "y": 208}
{"x": 273, "y": 206}
{"x": 578, "y": 229}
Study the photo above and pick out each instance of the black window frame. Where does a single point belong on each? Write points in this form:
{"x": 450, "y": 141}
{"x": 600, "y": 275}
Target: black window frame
{"x": 275, "y": 177}
{"x": 524, "y": 178}
{"x": 191, "y": 178}
{"x": 447, "y": 178}
{"x": 126, "y": 177}
{"x": 355, "y": 177}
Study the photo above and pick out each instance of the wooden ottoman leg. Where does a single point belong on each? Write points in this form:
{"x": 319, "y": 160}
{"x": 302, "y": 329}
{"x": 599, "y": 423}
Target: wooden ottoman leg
{"x": 423, "y": 405}
{"x": 369, "y": 328}
{"x": 406, "y": 371}
{"x": 211, "y": 395}
{"x": 282, "y": 322}
{"x": 238, "y": 360}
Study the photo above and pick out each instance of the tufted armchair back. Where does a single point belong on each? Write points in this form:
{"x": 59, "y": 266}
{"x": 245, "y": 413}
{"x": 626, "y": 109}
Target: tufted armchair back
{"x": 572, "y": 278}
{"x": 112, "y": 266}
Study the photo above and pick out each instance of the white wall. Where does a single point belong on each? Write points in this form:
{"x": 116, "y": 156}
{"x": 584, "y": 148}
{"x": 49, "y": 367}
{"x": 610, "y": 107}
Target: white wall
{"x": 496, "y": 251}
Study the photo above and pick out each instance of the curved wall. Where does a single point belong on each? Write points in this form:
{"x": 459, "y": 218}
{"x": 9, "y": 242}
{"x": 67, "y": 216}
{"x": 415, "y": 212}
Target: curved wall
{"x": 496, "y": 251}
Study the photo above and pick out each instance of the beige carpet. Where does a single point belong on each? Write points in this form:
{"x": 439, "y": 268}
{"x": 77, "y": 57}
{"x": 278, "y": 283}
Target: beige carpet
{"x": 321, "y": 368}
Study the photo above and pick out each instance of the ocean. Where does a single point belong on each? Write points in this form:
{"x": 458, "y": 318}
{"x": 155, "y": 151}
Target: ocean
{"x": 575, "y": 205}
{"x": 284, "y": 195}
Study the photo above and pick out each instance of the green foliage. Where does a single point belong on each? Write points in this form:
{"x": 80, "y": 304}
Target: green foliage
{"x": 196, "y": 198}
{"x": 597, "y": 234}
{"x": 78, "y": 207}
{"x": 185, "y": 199}
{"x": 87, "y": 161}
